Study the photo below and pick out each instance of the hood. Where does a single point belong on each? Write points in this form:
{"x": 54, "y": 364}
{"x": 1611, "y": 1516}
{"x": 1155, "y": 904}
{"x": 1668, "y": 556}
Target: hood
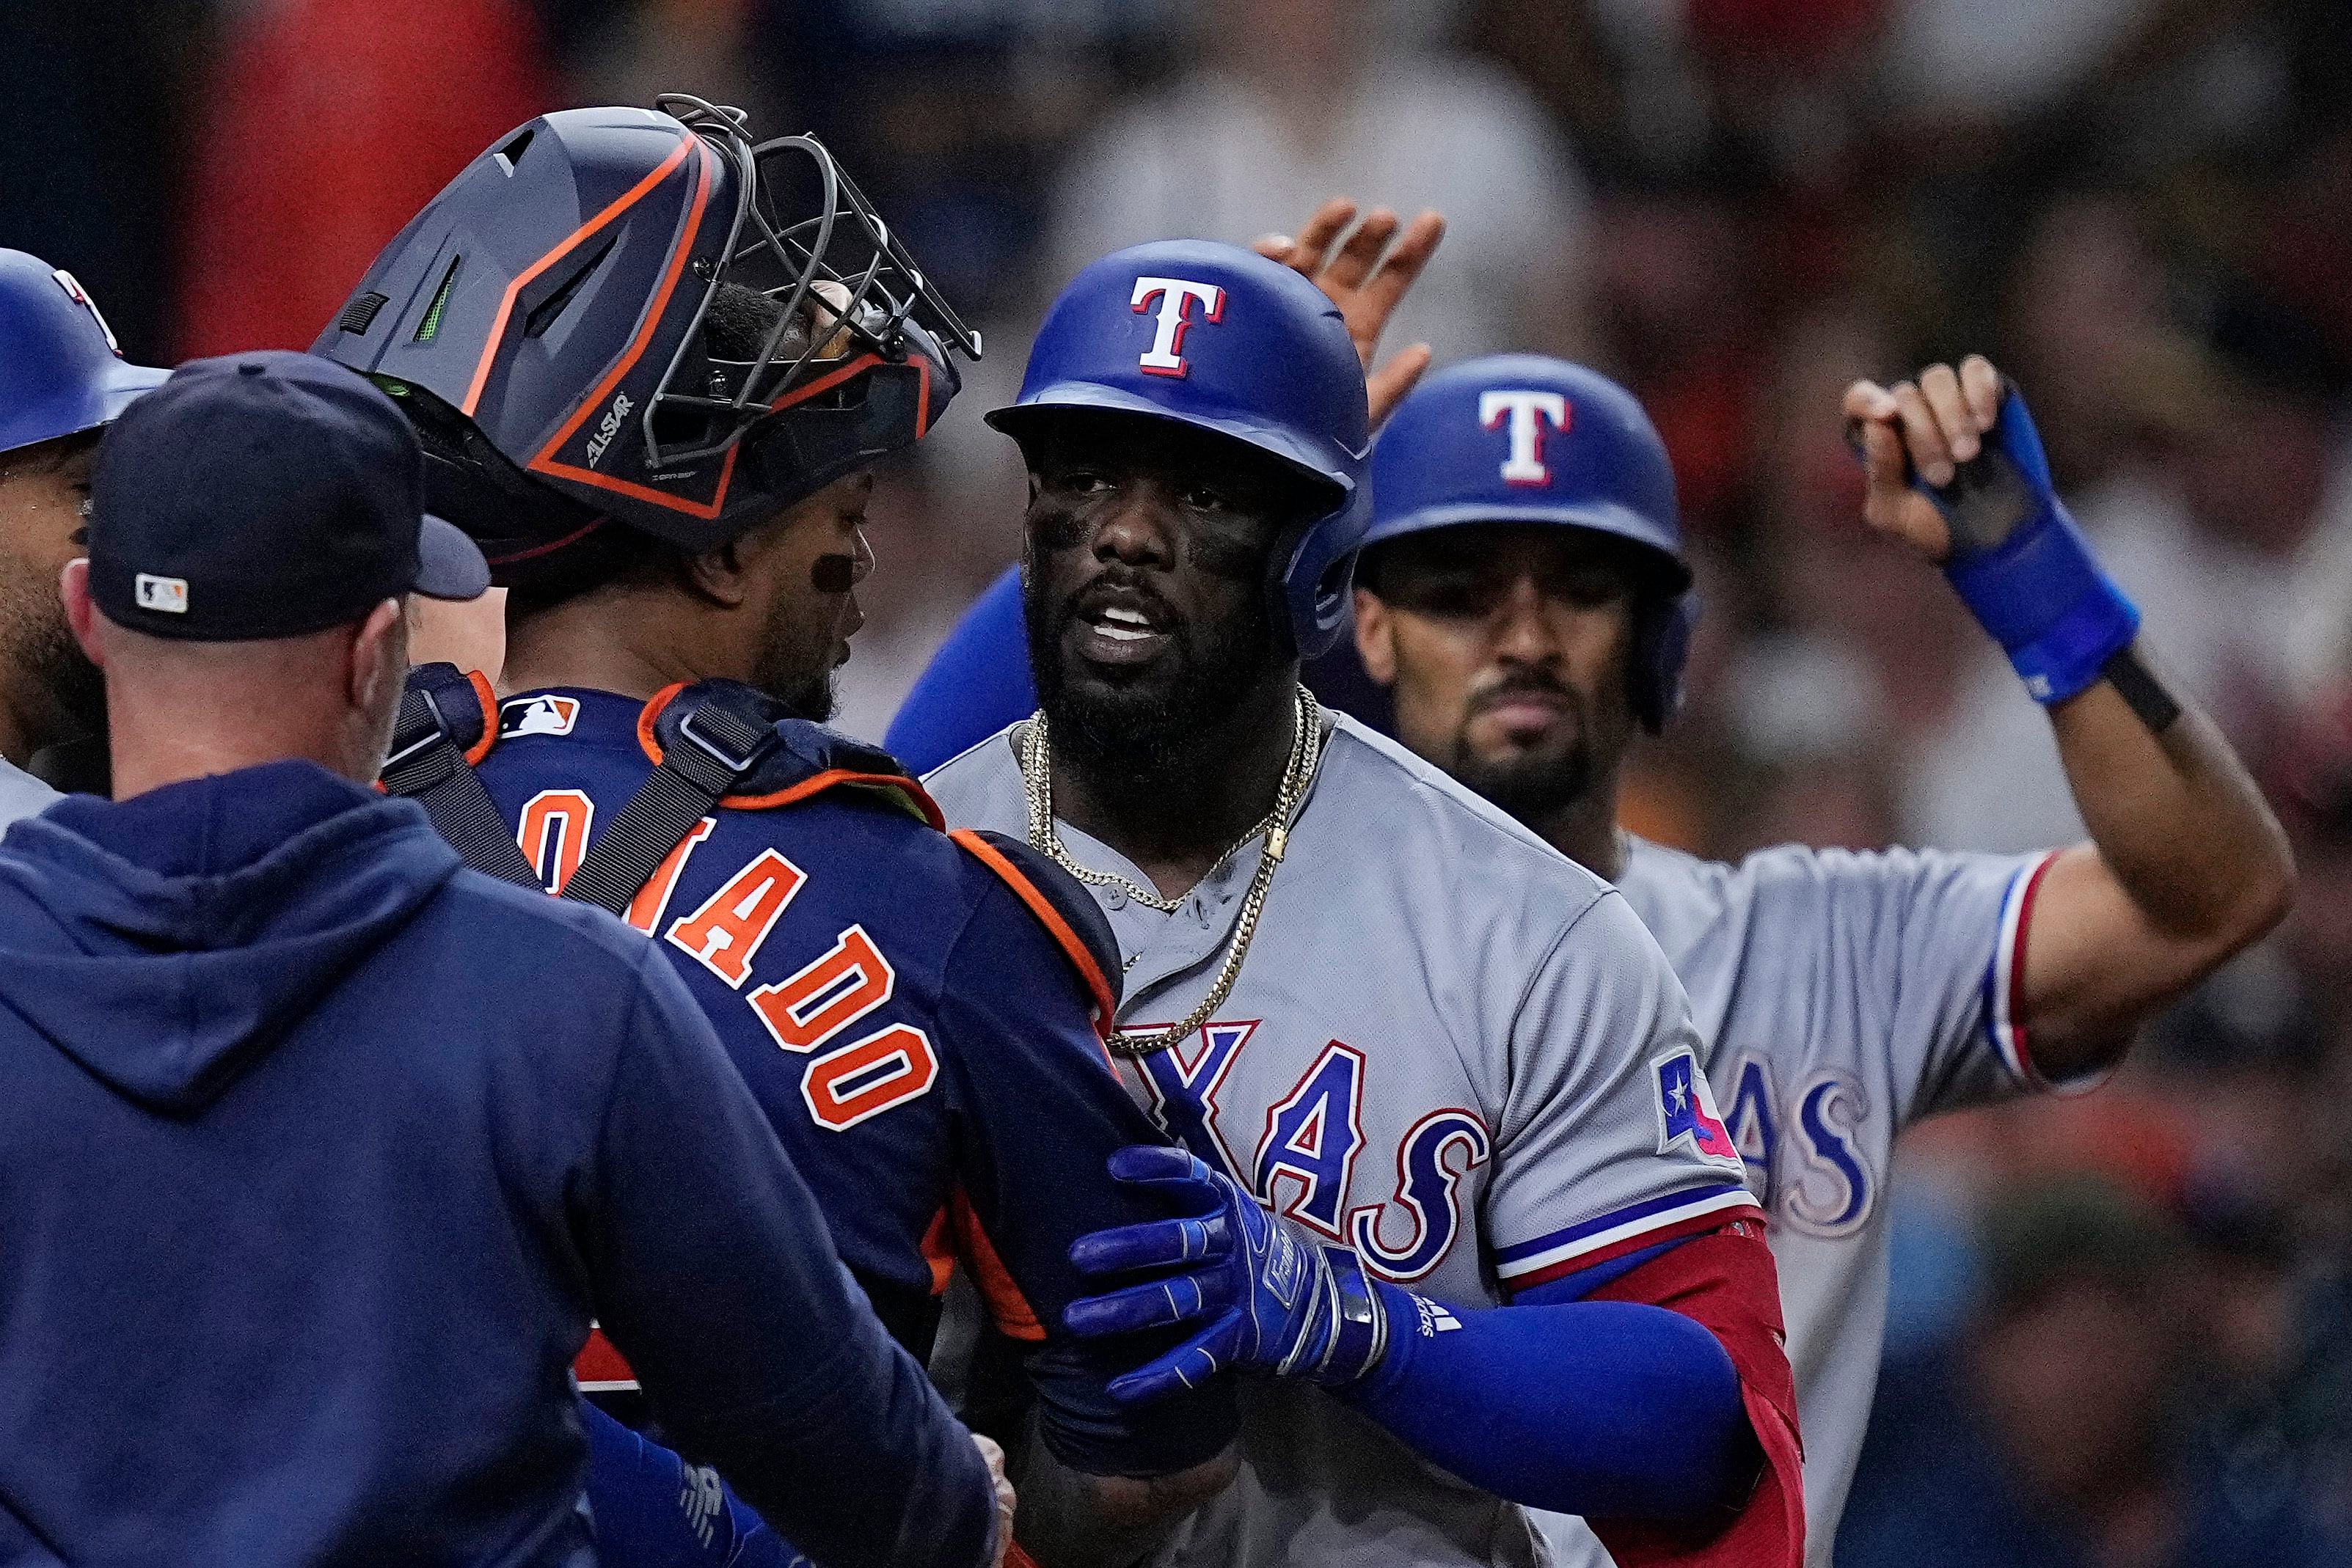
{"x": 169, "y": 942}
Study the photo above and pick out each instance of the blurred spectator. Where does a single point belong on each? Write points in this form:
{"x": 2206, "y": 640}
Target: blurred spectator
{"x": 93, "y": 102}
{"x": 1963, "y": 61}
{"x": 1675, "y": 299}
{"x": 2063, "y": 1429}
{"x": 1301, "y": 99}
{"x": 331, "y": 122}
{"x": 2234, "y": 538}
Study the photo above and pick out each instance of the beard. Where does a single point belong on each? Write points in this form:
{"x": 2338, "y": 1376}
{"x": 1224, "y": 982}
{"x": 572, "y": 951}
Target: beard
{"x": 36, "y": 641}
{"x": 1533, "y": 785}
{"x": 789, "y": 671}
{"x": 1133, "y": 731}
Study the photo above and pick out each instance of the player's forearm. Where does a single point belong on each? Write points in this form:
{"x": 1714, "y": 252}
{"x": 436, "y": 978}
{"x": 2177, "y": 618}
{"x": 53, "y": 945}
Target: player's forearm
{"x": 653, "y": 1510}
{"x": 1610, "y": 1409}
{"x": 2186, "y": 867}
{"x": 2187, "y": 864}
{"x": 1073, "y": 1519}
{"x": 2177, "y": 820}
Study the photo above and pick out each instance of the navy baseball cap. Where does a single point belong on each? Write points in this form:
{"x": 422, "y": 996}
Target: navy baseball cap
{"x": 265, "y": 495}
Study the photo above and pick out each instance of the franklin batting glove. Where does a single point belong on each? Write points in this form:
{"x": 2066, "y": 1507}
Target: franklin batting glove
{"x": 1273, "y": 1300}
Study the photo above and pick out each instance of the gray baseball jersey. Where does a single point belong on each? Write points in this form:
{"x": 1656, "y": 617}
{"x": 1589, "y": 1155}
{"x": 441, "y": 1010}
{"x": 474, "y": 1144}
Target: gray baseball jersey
{"x": 21, "y": 794}
{"x": 1449, "y": 1047}
{"x": 1843, "y": 996}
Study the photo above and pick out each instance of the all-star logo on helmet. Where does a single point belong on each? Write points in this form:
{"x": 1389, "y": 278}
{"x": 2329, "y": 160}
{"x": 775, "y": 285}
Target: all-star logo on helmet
{"x": 643, "y": 316}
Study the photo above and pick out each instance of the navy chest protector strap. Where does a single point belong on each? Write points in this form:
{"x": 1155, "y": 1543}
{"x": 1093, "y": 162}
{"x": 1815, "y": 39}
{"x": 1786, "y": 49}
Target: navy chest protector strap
{"x": 719, "y": 734}
{"x": 718, "y": 741}
{"x": 449, "y": 720}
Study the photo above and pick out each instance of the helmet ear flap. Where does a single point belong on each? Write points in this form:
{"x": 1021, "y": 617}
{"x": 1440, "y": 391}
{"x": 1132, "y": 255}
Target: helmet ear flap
{"x": 1308, "y": 600}
{"x": 1663, "y": 625}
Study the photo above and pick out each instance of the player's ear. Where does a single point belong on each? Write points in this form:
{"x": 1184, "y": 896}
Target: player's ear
{"x": 379, "y": 657}
{"x": 81, "y": 610}
{"x": 1375, "y": 637}
{"x": 723, "y": 575}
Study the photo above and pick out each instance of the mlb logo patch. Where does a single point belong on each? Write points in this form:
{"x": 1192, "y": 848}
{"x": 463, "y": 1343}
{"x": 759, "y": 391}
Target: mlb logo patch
{"x": 1687, "y": 1110}
{"x": 538, "y": 716}
{"x": 168, "y": 594}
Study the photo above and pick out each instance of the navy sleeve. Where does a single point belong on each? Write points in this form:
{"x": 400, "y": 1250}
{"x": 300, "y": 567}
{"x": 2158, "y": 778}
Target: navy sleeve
{"x": 1041, "y": 1112}
{"x": 712, "y": 1271}
{"x": 977, "y": 682}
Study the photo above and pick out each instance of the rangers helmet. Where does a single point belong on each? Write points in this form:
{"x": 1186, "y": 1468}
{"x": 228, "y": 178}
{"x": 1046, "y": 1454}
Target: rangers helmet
{"x": 642, "y": 315}
{"x": 60, "y": 372}
{"x": 1519, "y": 438}
{"x": 1220, "y": 339}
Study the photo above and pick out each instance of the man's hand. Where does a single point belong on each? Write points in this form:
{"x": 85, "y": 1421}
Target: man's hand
{"x": 1004, "y": 1499}
{"x": 2186, "y": 865}
{"x": 1274, "y": 1300}
{"x": 1365, "y": 285}
{"x": 1921, "y": 429}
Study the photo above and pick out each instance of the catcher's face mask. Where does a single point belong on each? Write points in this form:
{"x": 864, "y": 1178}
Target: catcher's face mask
{"x": 648, "y": 318}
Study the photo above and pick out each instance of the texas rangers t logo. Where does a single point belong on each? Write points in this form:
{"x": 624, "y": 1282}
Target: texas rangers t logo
{"x": 1526, "y": 410}
{"x": 1176, "y": 296}
{"x": 1686, "y": 1109}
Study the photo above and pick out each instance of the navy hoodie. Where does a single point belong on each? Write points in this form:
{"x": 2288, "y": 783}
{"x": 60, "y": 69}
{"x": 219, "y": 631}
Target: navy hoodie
{"x": 316, "y": 1154}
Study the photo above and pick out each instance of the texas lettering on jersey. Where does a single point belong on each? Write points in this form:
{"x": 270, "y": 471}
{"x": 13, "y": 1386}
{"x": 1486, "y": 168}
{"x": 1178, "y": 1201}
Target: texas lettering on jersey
{"x": 1306, "y": 1155}
{"x": 1481, "y": 1094}
{"x": 1841, "y": 997}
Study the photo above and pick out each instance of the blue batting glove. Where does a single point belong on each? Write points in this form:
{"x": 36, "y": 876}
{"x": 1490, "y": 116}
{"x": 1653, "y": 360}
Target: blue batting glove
{"x": 2021, "y": 565}
{"x": 1274, "y": 1299}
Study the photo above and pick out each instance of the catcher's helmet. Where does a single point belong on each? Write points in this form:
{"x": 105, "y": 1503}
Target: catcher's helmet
{"x": 1519, "y": 438}
{"x": 1220, "y": 339}
{"x": 60, "y": 372}
{"x": 648, "y": 315}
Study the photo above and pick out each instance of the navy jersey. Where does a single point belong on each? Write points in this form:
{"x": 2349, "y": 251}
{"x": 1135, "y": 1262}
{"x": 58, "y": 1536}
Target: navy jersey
{"x": 917, "y": 1014}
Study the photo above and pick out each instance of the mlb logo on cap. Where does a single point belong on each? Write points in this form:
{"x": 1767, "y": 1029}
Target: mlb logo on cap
{"x": 291, "y": 487}
{"x": 169, "y": 594}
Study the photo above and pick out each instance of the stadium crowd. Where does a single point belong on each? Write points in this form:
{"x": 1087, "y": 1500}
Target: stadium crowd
{"x": 2123, "y": 1324}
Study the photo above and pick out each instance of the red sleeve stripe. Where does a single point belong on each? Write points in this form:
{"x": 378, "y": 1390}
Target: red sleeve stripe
{"x": 2005, "y": 986}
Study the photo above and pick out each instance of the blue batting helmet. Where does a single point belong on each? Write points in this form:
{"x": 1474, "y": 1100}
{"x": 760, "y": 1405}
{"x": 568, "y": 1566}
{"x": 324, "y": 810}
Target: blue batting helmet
{"x": 1220, "y": 339}
{"x": 1519, "y": 438}
{"x": 60, "y": 372}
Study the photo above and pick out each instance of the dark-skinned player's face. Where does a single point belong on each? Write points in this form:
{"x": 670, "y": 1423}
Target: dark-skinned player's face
{"x": 1143, "y": 576}
{"x": 43, "y": 489}
{"x": 808, "y": 562}
{"x": 1506, "y": 647}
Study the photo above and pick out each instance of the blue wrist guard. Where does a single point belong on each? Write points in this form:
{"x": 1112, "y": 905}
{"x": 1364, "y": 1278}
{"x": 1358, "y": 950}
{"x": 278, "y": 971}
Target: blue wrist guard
{"x": 1266, "y": 1297}
{"x": 2022, "y": 567}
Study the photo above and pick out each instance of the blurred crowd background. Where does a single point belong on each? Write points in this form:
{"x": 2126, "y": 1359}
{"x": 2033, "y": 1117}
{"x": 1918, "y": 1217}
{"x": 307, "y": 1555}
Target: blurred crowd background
{"x": 2123, "y": 1332}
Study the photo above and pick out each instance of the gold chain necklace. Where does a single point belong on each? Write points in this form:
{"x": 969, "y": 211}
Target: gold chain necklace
{"x": 1305, "y": 750}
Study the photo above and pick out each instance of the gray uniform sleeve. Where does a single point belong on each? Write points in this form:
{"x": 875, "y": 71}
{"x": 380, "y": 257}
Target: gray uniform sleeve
{"x": 1609, "y": 1139}
{"x": 711, "y": 1268}
{"x": 1913, "y": 971}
